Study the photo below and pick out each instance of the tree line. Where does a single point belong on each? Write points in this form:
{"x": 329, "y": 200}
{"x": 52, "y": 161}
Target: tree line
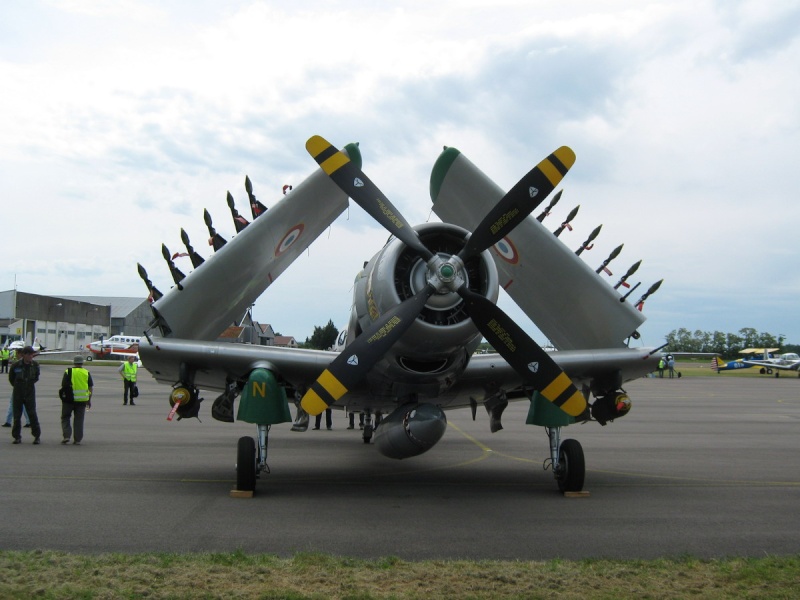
{"x": 679, "y": 340}
{"x": 726, "y": 344}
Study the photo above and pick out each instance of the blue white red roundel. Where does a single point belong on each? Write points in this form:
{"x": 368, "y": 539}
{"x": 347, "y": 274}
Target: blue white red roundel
{"x": 290, "y": 238}
{"x": 506, "y": 250}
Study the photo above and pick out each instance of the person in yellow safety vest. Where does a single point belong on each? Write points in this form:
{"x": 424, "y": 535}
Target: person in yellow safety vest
{"x": 128, "y": 371}
{"x": 5, "y": 356}
{"x": 80, "y": 380}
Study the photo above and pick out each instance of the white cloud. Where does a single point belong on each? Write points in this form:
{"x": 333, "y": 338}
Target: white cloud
{"x": 122, "y": 121}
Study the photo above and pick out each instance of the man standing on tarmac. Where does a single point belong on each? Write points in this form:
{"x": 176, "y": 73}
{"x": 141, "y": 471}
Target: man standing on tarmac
{"x": 128, "y": 371}
{"x": 80, "y": 380}
{"x": 23, "y": 377}
{"x": 5, "y": 355}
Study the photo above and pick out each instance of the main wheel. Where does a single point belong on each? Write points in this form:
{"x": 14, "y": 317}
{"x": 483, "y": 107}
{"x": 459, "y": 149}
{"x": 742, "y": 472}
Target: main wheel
{"x": 571, "y": 466}
{"x": 246, "y": 464}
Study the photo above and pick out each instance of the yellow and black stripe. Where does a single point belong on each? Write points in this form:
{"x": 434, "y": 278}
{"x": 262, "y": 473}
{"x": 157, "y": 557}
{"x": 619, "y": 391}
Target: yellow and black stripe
{"x": 326, "y": 390}
{"x": 328, "y": 157}
{"x": 555, "y": 166}
{"x": 564, "y": 395}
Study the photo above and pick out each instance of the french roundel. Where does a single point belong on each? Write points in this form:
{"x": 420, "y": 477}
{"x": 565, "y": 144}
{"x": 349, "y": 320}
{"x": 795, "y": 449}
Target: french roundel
{"x": 290, "y": 238}
{"x": 506, "y": 250}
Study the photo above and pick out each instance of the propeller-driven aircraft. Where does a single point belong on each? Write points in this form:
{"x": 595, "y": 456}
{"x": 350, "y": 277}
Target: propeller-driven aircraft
{"x": 789, "y": 361}
{"x": 421, "y": 307}
{"x": 719, "y": 365}
{"x": 117, "y": 346}
{"x": 38, "y": 348}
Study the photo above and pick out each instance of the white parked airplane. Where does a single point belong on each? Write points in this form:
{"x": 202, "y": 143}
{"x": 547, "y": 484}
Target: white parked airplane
{"x": 117, "y": 346}
{"x": 421, "y": 307}
{"x": 18, "y": 345}
{"x": 788, "y": 361}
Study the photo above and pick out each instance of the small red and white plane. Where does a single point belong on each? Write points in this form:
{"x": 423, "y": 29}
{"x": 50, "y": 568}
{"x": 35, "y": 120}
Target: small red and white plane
{"x": 117, "y": 346}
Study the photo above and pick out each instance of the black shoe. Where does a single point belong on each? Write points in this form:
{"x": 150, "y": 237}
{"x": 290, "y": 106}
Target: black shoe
{"x": 6, "y": 424}
{"x": 315, "y": 427}
{"x": 329, "y": 428}
{"x": 36, "y": 442}
{"x": 76, "y": 443}
{"x": 132, "y": 404}
{"x": 65, "y": 441}
{"x": 17, "y": 440}
{"x": 27, "y": 425}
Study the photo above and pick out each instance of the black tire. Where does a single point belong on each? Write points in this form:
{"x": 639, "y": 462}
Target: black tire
{"x": 246, "y": 464}
{"x": 572, "y": 466}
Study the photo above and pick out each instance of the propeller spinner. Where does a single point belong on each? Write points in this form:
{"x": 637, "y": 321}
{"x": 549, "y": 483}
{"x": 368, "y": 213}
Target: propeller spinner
{"x": 445, "y": 276}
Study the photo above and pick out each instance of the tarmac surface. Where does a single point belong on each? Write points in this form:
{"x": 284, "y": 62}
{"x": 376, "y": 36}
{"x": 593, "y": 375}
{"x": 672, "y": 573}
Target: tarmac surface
{"x": 708, "y": 467}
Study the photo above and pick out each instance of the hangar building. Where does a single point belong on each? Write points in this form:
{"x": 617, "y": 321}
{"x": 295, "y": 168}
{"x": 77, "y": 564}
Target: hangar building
{"x": 69, "y": 322}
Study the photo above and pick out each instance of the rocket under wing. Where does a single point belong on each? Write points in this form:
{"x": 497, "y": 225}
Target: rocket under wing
{"x": 219, "y": 291}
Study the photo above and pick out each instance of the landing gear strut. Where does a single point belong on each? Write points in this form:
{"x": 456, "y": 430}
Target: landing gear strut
{"x": 567, "y": 460}
{"x": 251, "y": 459}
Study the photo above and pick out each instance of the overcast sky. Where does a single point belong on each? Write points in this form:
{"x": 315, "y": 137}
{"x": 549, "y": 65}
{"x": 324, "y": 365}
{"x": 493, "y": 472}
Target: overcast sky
{"x": 121, "y": 121}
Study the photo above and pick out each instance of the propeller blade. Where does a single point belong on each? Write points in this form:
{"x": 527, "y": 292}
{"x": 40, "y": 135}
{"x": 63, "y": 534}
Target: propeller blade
{"x": 356, "y": 360}
{"x": 352, "y": 181}
{"x": 526, "y": 356}
{"x": 528, "y": 193}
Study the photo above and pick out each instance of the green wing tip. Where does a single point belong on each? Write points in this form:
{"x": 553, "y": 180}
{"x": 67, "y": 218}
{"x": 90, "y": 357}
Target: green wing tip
{"x": 354, "y": 153}
{"x": 440, "y": 169}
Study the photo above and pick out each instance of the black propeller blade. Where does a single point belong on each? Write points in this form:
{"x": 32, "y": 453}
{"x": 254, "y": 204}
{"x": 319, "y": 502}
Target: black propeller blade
{"x": 526, "y": 356}
{"x": 366, "y": 194}
{"x": 519, "y": 202}
{"x": 523, "y": 354}
{"x": 352, "y": 365}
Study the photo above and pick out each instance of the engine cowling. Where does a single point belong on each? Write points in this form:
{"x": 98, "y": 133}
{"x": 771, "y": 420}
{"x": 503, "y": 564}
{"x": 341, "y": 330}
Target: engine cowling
{"x": 410, "y": 430}
{"x": 435, "y": 342}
